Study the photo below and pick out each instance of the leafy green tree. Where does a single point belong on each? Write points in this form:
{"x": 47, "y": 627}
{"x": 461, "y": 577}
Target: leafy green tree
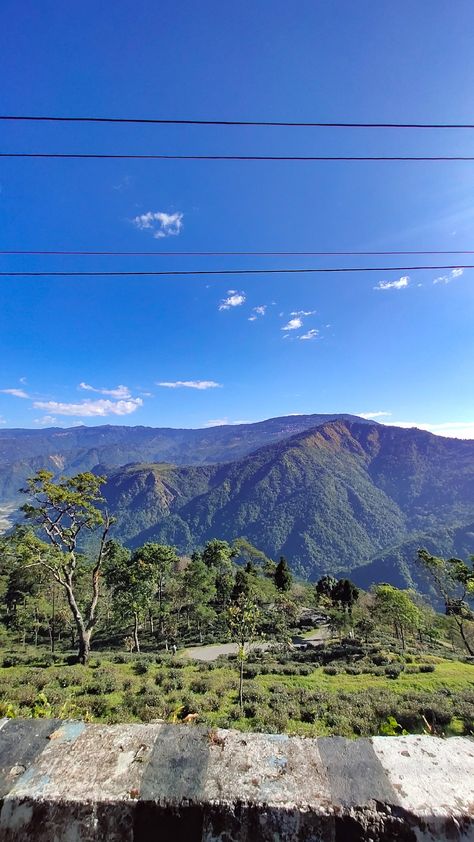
{"x": 243, "y": 618}
{"x": 454, "y": 582}
{"x": 66, "y": 510}
{"x": 219, "y": 555}
{"x": 345, "y": 594}
{"x": 241, "y": 585}
{"x": 133, "y": 580}
{"x": 282, "y": 619}
{"x": 161, "y": 558}
{"x": 246, "y": 551}
{"x": 396, "y": 607}
{"x": 199, "y": 585}
{"x": 325, "y": 587}
{"x": 283, "y": 577}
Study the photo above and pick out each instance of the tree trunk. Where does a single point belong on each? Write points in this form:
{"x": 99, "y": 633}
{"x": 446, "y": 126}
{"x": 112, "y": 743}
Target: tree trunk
{"x": 135, "y": 632}
{"x": 84, "y": 646}
{"x": 150, "y": 618}
{"x": 468, "y": 646}
{"x": 241, "y": 678}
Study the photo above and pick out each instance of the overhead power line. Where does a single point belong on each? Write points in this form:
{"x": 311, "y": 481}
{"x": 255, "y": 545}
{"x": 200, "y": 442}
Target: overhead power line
{"x": 174, "y": 272}
{"x": 173, "y": 157}
{"x": 82, "y": 253}
{"x": 49, "y": 118}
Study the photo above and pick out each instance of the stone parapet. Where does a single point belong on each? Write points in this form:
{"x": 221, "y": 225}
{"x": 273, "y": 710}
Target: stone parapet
{"x": 76, "y": 782}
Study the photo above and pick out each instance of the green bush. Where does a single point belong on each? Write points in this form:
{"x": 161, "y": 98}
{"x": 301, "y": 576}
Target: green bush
{"x": 104, "y": 681}
{"x": 393, "y": 670}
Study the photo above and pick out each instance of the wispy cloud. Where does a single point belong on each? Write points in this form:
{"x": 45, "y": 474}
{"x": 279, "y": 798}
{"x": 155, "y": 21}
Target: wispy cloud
{"x": 221, "y": 422}
{"x": 123, "y": 184}
{"x": 293, "y": 324}
{"x": 190, "y": 384}
{"x": 402, "y": 283}
{"x": 446, "y": 279}
{"x": 46, "y": 421}
{"x": 257, "y": 312}
{"x": 2, "y": 420}
{"x": 159, "y": 223}
{"x": 303, "y": 313}
{"x": 233, "y": 299}
{"x": 310, "y": 334}
{"x": 89, "y": 408}
{"x": 450, "y": 429}
{"x": 118, "y": 392}
{"x": 16, "y": 393}
{"x": 368, "y": 415}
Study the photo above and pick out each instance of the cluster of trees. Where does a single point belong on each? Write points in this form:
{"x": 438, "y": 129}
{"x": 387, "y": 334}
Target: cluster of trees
{"x": 50, "y": 586}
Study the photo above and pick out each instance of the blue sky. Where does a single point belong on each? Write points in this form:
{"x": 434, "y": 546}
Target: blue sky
{"x": 95, "y": 350}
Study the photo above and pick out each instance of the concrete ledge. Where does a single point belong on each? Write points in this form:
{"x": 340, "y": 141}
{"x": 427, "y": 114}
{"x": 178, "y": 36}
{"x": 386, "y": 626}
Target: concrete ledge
{"x": 72, "y": 782}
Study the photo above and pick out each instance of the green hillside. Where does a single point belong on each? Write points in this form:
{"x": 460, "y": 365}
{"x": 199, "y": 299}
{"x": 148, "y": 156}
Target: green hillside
{"x": 334, "y": 498}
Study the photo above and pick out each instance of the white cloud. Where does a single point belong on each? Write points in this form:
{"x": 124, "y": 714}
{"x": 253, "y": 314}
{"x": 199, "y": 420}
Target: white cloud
{"x": 451, "y": 429}
{"x": 293, "y": 324}
{"x": 118, "y": 392}
{"x": 16, "y": 393}
{"x": 190, "y": 384}
{"x": 302, "y": 313}
{"x": 368, "y": 415}
{"x": 310, "y": 334}
{"x": 234, "y": 299}
{"x": 258, "y": 311}
{"x": 446, "y": 279}
{"x": 160, "y": 223}
{"x": 23, "y": 380}
{"x": 402, "y": 283}
{"x": 46, "y": 421}
{"x": 2, "y": 420}
{"x": 89, "y": 408}
{"x": 221, "y": 422}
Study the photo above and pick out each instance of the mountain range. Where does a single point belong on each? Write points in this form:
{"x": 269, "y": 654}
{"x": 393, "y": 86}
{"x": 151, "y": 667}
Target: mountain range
{"x": 333, "y": 494}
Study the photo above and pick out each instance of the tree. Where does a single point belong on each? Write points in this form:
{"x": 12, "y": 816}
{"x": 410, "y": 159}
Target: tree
{"x": 454, "y": 582}
{"x": 243, "y": 619}
{"x": 345, "y": 594}
{"x": 283, "y": 618}
{"x": 133, "y": 580}
{"x": 199, "y": 588}
{"x": 396, "y": 607}
{"x": 241, "y": 585}
{"x": 283, "y": 577}
{"x": 65, "y": 510}
{"x": 325, "y": 587}
{"x": 161, "y": 558}
{"x": 218, "y": 554}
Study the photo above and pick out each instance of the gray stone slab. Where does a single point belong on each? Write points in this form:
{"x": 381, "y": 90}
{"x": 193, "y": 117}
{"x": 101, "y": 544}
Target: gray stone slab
{"x": 355, "y": 774}
{"x": 176, "y": 769}
{"x": 21, "y": 742}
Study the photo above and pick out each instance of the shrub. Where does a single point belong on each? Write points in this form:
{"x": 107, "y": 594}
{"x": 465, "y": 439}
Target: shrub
{"x": 330, "y": 670}
{"x": 141, "y": 667}
{"x": 104, "y": 681}
{"x": 199, "y": 685}
{"x": 427, "y": 667}
{"x": 210, "y": 702}
{"x": 393, "y": 670}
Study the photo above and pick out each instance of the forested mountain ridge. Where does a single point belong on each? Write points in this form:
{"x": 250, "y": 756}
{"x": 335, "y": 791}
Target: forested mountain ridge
{"x": 75, "y": 449}
{"x": 332, "y": 498}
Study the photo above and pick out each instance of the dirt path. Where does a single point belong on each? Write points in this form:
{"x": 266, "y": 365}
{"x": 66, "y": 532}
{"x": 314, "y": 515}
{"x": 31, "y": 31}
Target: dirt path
{"x": 210, "y": 653}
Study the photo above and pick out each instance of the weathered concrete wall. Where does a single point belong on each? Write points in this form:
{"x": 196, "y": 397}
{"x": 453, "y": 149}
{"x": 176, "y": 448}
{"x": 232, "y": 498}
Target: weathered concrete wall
{"x": 71, "y": 782}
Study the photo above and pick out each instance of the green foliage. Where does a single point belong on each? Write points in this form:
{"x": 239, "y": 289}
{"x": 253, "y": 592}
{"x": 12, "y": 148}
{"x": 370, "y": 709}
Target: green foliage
{"x": 283, "y": 577}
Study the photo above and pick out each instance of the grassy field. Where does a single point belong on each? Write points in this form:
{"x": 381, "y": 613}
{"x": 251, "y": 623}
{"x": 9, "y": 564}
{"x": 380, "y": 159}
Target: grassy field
{"x": 381, "y": 691}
